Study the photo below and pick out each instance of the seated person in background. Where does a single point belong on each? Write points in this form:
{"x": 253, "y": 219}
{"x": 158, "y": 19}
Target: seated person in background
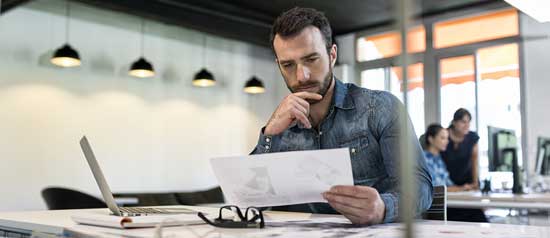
{"x": 321, "y": 112}
{"x": 436, "y": 140}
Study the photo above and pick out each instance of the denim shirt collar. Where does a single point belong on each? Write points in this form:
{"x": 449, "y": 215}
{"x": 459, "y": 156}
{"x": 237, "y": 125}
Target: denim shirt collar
{"x": 341, "y": 98}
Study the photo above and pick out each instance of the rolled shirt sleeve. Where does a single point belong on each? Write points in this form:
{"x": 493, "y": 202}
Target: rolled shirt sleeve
{"x": 266, "y": 144}
{"x": 392, "y": 206}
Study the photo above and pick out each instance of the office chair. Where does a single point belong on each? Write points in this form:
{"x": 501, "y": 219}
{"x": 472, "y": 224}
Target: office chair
{"x": 438, "y": 209}
{"x": 64, "y": 198}
{"x": 213, "y": 195}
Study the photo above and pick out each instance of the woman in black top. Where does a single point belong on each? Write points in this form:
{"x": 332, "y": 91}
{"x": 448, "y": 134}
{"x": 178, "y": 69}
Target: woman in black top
{"x": 461, "y": 154}
{"x": 460, "y": 157}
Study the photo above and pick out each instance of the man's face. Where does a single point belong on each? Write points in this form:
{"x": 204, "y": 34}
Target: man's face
{"x": 304, "y": 61}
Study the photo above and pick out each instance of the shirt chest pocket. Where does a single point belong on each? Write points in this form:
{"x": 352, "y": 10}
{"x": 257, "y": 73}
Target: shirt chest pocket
{"x": 365, "y": 163}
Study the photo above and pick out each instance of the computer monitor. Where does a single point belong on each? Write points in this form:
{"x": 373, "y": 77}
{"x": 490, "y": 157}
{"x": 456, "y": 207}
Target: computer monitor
{"x": 503, "y": 147}
{"x": 543, "y": 156}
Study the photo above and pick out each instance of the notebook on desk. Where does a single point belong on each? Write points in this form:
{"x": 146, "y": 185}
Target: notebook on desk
{"x": 135, "y": 222}
{"x": 108, "y": 195}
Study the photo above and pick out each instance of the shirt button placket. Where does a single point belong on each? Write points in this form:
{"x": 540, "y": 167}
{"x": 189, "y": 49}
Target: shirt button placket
{"x": 319, "y": 139}
{"x": 267, "y": 146}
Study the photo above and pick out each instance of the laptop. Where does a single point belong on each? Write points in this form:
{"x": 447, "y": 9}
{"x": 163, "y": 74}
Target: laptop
{"x": 108, "y": 195}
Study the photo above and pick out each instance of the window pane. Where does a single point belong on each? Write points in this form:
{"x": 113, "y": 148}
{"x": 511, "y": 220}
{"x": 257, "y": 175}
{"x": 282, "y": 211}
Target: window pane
{"x": 415, "y": 93}
{"x": 390, "y": 79}
{"x": 457, "y": 79}
{"x": 389, "y": 44}
{"x": 475, "y": 29}
{"x": 373, "y": 79}
{"x": 499, "y": 94}
{"x": 416, "y": 41}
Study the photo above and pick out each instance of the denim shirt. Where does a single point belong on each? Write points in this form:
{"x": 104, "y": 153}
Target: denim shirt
{"x": 367, "y": 122}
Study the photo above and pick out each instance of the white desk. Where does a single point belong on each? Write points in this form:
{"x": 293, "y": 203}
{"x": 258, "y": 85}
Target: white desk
{"x": 498, "y": 200}
{"x": 56, "y": 222}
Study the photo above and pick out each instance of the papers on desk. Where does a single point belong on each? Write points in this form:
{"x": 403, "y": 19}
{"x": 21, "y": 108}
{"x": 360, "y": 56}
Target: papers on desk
{"x": 282, "y": 178}
{"x": 135, "y": 222}
{"x": 324, "y": 227}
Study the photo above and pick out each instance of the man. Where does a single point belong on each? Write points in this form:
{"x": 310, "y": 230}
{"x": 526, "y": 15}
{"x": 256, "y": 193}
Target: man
{"x": 321, "y": 113}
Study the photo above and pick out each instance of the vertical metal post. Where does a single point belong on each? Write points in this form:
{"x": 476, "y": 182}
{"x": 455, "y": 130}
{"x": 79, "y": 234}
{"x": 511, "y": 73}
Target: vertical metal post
{"x": 407, "y": 200}
{"x": 477, "y": 79}
{"x": 403, "y": 22}
{"x": 523, "y": 100}
{"x": 387, "y": 79}
{"x": 432, "y": 86}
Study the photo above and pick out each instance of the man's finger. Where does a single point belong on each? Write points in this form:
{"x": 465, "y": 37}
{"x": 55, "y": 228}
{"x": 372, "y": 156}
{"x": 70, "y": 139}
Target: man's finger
{"x": 300, "y": 107}
{"x": 354, "y": 191}
{"x": 300, "y": 116}
{"x": 347, "y": 210}
{"x": 301, "y": 101}
{"x": 358, "y": 203}
{"x": 356, "y": 217}
{"x": 308, "y": 95}
{"x": 353, "y": 218}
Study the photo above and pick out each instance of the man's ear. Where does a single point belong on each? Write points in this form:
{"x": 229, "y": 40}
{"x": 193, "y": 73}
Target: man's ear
{"x": 333, "y": 54}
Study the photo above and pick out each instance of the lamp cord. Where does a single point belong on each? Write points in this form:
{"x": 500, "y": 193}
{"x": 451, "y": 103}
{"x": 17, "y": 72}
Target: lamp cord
{"x": 67, "y": 19}
{"x": 142, "y": 36}
{"x": 204, "y": 38}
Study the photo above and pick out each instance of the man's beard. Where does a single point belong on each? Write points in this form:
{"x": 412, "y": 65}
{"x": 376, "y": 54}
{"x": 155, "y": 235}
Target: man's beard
{"x": 325, "y": 84}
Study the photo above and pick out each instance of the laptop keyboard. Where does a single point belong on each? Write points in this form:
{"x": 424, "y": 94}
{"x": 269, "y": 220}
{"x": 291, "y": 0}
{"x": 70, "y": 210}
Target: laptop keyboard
{"x": 139, "y": 210}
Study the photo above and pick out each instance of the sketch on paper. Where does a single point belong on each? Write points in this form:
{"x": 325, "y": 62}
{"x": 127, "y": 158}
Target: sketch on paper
{"x": 321, "y": 172}
{"x": 260, "y": 183}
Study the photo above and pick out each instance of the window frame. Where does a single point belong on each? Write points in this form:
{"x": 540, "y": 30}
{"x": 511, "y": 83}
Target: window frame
{"x": 431, "y": 56}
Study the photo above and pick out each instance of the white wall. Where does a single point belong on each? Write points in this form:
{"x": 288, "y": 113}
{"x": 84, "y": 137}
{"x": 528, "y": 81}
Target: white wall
{"x": 536, "y": 58}
{"x": 162, "y": 130}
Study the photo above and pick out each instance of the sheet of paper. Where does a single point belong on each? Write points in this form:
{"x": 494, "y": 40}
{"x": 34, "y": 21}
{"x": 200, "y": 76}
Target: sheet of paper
{"x": 276, "y": 179}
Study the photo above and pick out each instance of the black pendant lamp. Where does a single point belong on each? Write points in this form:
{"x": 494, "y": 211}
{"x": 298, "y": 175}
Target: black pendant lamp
{"x": 66, "y": 56}
{"x": 141, "y": 68}
{"x": 254, "y": 86}
{"x": 204, "y": 78}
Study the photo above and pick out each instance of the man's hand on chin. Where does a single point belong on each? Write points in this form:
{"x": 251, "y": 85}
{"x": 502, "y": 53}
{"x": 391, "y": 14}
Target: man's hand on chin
{"x": 360, "y": 204}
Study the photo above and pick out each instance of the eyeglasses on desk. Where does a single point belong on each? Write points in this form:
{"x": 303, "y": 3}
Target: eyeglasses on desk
{"x": 251, "y": 218}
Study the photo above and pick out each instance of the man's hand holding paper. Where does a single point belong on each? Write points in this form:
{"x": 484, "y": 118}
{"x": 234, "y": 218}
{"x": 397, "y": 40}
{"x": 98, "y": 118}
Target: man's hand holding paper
{"x": 360, "y": 204}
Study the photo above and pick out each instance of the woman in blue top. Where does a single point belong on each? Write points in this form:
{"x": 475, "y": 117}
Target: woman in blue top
{"x": 437, "y": 139}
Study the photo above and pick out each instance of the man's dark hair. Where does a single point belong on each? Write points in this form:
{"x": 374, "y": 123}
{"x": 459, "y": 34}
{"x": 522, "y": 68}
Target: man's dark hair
{"x": 293, "y": 21}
